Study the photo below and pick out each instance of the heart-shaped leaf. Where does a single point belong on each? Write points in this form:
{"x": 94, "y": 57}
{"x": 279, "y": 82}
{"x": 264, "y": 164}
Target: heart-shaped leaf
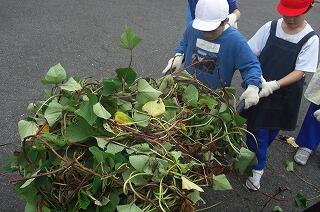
{"x": 221, "y": 183}
{"x": 53, "y": 112}
{"x": 154, "y": 108}
{"x": 55, "y": 75}
{"x": 100, "y": 111}
{"x": 129, "y": 39}
{"x": 71, "y": 85}
{"x": 27, "y": 128}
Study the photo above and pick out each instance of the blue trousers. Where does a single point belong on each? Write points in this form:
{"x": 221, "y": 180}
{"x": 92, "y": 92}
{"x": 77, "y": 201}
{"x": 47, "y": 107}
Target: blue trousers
{"x": 264, "y": 139}
{"x": 309, "y": 135}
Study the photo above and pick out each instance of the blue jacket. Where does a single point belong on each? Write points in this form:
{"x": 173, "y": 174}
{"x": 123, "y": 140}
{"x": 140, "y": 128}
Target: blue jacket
{"x": 225, "y": 54}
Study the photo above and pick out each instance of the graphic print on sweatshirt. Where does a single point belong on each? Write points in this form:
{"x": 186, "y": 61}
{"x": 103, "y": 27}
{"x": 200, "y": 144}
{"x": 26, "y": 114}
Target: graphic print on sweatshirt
{"x": 204, "y": 56}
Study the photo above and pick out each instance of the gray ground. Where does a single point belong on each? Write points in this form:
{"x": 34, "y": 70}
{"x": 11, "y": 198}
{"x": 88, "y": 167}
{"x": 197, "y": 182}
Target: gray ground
{"x": 83, "y": 35}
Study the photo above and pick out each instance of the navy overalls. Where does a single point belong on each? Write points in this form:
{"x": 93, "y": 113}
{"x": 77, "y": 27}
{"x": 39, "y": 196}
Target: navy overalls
{"x": 280, "y": 110}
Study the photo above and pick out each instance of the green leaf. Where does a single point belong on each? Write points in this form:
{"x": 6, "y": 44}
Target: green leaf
{"x": 246, "y": 160}
{"x": 190, "y": 95}
{"x": 138, "y": 180}
{"x": 239, "y": 120}
{"x": 10, "y": 164}
{"x": 221, "y": 183}
{"x": 28, "y": 194}
{"x": 141, "y": 148}
{"x": 176, "y": 155}
{"x": 100, "y": 111}
{"x": 79, "y": 131}
{"x": 110, "y": 85}
{"x": 71, "y": 85}
{"x": 139, "y": 162}
{"x": 140, "y": 119}
{"x": 53, "y": 112}
{"x": 289, "y": 166}
{"x": 126, "y": 74}
{"x": 208, "y": 101}
{"x": 55, "y": 75}
{"x": 83, "y": 200}
{"x": 97, "y": 154}
{"x": 277, "y": 209}
{"x": 129, "y": 208}
{"x": 300, "y": 200}
{"x": 108, "y": 128}
{"x": 195, "y": 197}
{"x": 124, "y": 105}
{"x": 101, "y": 142}
{"x": 167, "y": 81}
{"x": 28, "y": 182}
{"x": 30, "y": 208}
{"x": 45, "y": 209}
{"x": 148, "y": 91}
{"x": 86, "y": 109}
{"x": 129, "y": 39}
{"x": 27, "y": 128}
{"x": 114, "y": 148}
{"x": 223, "y": 108}
{"x": 154, "y": 108}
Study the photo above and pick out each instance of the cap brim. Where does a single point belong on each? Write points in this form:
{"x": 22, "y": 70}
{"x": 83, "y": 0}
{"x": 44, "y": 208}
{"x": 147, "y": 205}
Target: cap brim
{"x": 289, "y": 11}
{"x": 205, "y": 25}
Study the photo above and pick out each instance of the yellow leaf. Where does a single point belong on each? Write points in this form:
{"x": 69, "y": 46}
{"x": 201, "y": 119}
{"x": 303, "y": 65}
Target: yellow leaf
{"x": 44, "y": 128}
{"x": 292, "y": 142}
{"x": 188, "y": 185}
{"x": 154, "y": 108}
{"x": 122, "y": 118}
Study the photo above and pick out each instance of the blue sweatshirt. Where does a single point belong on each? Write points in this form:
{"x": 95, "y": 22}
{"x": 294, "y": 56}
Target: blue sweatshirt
{"x": 192, "y": 7}
{"x": 225, "y": 54}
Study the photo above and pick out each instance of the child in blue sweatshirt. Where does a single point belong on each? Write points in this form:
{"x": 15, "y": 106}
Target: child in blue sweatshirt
{"x": 234, "y": 12}
{"x": 212, "y": 50}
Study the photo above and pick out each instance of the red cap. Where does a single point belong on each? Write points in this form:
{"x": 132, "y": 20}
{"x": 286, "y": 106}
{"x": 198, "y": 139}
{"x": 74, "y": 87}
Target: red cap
{"x": 293, "y": 7}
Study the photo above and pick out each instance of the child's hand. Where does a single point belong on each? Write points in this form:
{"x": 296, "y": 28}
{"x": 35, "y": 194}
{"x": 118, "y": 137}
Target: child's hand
{"x": 268, "y": 88}
{"x": 250, "y": 96}
{"x": 317, "y": 115}
{"x": 174, "y": 63}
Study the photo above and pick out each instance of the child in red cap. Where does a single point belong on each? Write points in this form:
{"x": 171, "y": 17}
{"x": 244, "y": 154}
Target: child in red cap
{"x": 286, "y": 48}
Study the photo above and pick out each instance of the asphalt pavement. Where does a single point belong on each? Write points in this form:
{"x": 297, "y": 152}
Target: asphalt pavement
{"x": 83, "y": 35}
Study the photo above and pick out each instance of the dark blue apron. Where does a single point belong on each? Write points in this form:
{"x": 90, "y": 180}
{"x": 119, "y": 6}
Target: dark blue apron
{"x": 279, "y": 110}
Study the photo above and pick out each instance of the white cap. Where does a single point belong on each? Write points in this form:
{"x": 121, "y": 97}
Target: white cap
{"x": 209, "y": 14}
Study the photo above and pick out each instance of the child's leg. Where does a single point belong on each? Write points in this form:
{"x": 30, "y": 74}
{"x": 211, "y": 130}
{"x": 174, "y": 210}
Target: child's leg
{"x": 264, "y": 139}
{"x": 309, "y": 135}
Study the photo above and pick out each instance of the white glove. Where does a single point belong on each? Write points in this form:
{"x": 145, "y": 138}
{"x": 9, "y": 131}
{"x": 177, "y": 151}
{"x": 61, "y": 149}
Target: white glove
{"x": 233, "y": 20}
{"x": 250, "y": 96}
{"x": 317, "y": 115}
{"x": 174, "y": 63}
{"x": 268, "y": 87}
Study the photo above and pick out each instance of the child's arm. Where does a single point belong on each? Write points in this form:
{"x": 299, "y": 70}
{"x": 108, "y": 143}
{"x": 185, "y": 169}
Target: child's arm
{"x": 291, "y": 78}
{"x": 175, "y": 63}
{"x": 306, "y": 62}
{"x": 271, "y": 86}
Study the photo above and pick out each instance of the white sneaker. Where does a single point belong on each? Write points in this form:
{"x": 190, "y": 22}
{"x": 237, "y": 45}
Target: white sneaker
{"x": 253, "y": 183}
{"x": 302, "y": 155}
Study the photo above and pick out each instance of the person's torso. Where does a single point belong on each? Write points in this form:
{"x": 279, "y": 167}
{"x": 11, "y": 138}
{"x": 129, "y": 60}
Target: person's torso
{"x": 212, "y": 61}
{"x": 278, "y": 57}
